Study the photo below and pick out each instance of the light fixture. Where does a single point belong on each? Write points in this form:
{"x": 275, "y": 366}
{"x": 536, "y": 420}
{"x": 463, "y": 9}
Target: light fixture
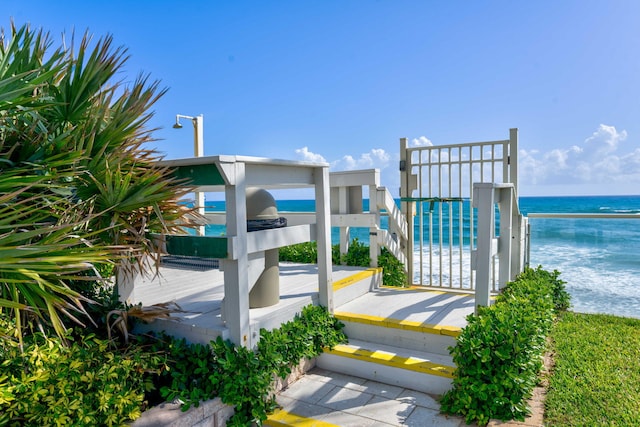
{"x": 198, "y": 132}
{"x": 198, "y": 151}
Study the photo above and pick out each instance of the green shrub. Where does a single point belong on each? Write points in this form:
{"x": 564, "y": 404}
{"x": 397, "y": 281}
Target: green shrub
{"x": 239, "y": 376}
{"x": 88, "y": 382}
{"x": 499, "y": 353}
{"x": 244, "y": 382}
{"x": 278, "y": 351}
{"x": 393, "y": 273}
{"x": 357, "y": 255}
{"x": 305, "y": 253}
{"x": 83, "y": 383}
{"x": 189, "y": 370}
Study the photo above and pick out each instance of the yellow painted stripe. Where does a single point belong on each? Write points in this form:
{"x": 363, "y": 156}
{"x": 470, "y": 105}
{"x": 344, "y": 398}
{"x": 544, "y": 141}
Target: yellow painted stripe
{"x": 390, "y": 359}
{"x": 354, "y": 278}
{"x": 282, "y": 418}
{"x": 389, "y": 322}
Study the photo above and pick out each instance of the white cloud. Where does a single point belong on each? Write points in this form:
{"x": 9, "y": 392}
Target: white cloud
{"x": 600, "y": 163}
{"x": 605, "y": 139}
{"x": 599, "y": 160}
{"x": 422, "y": 141}
{"x": 309, "y": 156}
{"x": 376, "y": 158}
{"x": 556, "y": 159}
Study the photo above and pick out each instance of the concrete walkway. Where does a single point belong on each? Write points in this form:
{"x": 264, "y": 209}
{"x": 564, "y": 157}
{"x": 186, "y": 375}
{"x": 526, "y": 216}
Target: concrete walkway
{"x": 322, "y": 398}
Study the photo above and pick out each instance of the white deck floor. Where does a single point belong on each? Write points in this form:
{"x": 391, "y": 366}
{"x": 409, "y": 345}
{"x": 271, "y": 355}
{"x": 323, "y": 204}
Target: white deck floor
{"x": 200, "y": 294}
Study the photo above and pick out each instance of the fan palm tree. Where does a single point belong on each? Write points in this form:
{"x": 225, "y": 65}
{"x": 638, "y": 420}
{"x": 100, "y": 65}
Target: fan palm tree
{"x": 77, "y": 185}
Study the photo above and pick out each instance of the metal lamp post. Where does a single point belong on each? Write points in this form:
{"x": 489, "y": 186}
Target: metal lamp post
{"x": 198, "y": 151}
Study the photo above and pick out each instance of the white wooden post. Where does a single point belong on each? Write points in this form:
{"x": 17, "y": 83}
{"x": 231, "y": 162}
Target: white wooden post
{"x": 198, "y": 151}
{"x": 374, "y": 247}
{"x": 323, "y": 237}
{"x": 343, "y": 208}
{"x": 236, "y": 269}
{"x": 505, "y": 242}
{"x": 513, "y": 158}
{"x": 519, "y": 243}
{"x": 483, "y": 201}
{"x": 408, "y": 183}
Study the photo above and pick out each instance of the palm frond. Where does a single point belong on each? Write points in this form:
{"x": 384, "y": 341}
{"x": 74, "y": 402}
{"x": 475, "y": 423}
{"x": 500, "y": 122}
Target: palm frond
{"x": 77, "y": 186}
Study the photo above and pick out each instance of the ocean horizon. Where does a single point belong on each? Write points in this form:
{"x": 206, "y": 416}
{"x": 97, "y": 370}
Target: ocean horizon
{"x": 598, "y": 258}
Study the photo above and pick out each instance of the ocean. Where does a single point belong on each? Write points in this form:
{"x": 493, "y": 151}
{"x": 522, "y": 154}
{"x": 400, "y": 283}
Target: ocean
{"x": 599, "y": 259}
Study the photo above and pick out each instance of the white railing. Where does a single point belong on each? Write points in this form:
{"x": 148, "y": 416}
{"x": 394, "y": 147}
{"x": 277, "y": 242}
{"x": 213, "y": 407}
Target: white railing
{"x": 437, "y": 187}
{"x": 347, "y": 211}
{"x": 395, "y": 239}
{"x": 497, "y": 259}
{"x": 347, "y": 195}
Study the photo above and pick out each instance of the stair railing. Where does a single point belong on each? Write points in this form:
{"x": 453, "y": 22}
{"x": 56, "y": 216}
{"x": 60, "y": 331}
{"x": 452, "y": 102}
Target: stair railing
{"x": 347, "y": 211}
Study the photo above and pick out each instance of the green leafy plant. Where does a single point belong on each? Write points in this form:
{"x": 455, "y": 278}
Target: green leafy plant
{"x": 305, "y": 253}
{"x": 84, "y": 383}
{"x": 239, "y": 376}
{"x": 43, "y": 248}
{"x": 192, "y": 373}
{"x": 357, "y": 255}
{"x": 77, "y": 186}
{"x": 499, "y": 353}
{"x": 248, "y": 392}
{"x": 393, "y": 273}
{"x": 278, "y": 351}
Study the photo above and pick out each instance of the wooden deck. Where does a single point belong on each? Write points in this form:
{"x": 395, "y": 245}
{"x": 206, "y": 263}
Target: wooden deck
{"x": 199, "y": 292}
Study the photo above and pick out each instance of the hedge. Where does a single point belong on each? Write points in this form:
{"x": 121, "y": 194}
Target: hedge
{"x": 500, "y": 352}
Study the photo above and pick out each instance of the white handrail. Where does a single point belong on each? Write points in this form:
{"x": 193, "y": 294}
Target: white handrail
{"x": 346, "y": 212}
{"x": 396, "y": 217}
{"x": 347, "y": 197}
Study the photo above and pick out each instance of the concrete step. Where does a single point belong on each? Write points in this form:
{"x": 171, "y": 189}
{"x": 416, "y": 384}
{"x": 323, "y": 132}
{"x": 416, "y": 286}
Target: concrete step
{"x": 399, "y": 333}
{"x": 417, "y": 370}
{"x": 327, "y": 399}
{"x": 356, "y": 285}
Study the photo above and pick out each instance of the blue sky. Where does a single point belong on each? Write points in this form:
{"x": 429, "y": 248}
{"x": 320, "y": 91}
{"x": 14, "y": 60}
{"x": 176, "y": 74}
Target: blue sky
{"x": 342, "y": 81}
